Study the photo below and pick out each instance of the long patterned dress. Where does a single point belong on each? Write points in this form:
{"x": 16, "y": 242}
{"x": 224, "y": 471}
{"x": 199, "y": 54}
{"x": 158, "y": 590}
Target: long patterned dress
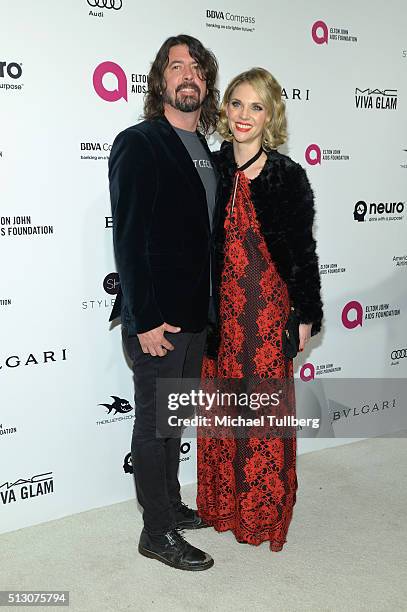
{"x": 248, "y": 485}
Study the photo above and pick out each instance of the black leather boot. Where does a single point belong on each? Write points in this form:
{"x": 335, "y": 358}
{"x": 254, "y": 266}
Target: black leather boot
{"x": 172, "y": 549}
{"x": 186, "y": 518}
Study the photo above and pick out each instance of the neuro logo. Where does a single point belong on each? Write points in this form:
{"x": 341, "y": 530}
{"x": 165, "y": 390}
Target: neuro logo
{"x": 119, "y": 405}
{"x": 360, "y": 211}
{"x": 110, "y": 95}
{"x": 111, "y": 283}
{"x": 320, "y": 33}
{"x": 116, "y": 5}
{"x": 307, "y": 372}
{"x": 128, "y": 464}
{"x": 12, "y": 70}
{"x": 313, "y": 155}
{"x": 352, "y": 315}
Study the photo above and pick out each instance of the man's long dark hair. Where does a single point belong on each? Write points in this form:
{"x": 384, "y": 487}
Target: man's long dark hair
{"x": 153, "y": 102}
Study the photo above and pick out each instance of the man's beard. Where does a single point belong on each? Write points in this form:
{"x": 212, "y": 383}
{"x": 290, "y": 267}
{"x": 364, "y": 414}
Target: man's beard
{"x": 186, "y": 103}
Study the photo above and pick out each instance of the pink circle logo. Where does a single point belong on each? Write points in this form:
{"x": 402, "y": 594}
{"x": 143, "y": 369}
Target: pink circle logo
{"x": 313, "y": 155}
{"x": 356, "y": 318}
{"x": 110, "y": 95}
{"x": 307, "y": 372}
{"x": 320, "y": 33}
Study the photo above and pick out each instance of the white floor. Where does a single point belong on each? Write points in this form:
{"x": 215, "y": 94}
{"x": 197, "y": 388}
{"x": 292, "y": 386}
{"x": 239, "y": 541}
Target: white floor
{"x": 346, "y": 549}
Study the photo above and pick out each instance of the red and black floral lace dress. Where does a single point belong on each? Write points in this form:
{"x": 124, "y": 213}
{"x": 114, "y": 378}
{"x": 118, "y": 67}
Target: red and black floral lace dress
{"x": 248, "y": 485}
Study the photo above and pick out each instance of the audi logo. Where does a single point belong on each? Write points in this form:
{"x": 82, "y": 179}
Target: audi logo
{"x": 399, "y": 354}
{"x": 106, "y": 4}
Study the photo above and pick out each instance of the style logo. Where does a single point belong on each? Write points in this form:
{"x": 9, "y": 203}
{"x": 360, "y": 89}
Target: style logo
{"x": 128, "y": 464}
{"x": 119, "y": 405}
{"x": 116, "y": 5}
{"x": 382, "y": 99}
{"x": 399, "y": 354}
{"x": 313, "y": 154}
{"x": 352, "y": 315}
{"x": 110, "y": 95}
{"x": 111, "y": 283}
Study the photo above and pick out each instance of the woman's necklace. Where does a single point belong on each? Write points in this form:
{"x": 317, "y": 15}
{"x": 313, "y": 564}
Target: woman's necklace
{"x": 240, "y": 169}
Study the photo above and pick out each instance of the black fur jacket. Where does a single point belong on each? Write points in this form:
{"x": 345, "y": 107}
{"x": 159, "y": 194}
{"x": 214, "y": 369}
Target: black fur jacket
{"x": 284, "y": 205}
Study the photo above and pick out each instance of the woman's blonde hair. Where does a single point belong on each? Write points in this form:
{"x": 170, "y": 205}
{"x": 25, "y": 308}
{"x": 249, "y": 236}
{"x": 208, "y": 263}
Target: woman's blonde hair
{"x": 269, "y": 90}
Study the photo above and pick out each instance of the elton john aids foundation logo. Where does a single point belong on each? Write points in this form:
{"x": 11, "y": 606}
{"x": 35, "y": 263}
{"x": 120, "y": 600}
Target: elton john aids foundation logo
{"x": 307, "y": 372}
{"x": 116, "y": 93}
{"x": 321, "y": 34}
{"x": 352, "y": 315}
{"x": 313, "y": 154}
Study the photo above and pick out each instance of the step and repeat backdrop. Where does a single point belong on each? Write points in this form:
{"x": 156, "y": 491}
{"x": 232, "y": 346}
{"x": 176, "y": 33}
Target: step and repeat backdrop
{"x": 72, "y": 75}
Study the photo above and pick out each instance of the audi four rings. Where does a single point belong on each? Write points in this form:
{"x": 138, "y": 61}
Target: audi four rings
{"x": 399, "y": 354}
{"x": 106, "y": 4}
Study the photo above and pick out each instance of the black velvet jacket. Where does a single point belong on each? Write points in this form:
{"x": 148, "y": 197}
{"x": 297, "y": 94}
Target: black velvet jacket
{"x": 161, "y": 231}
{"x": 284, "y": 205}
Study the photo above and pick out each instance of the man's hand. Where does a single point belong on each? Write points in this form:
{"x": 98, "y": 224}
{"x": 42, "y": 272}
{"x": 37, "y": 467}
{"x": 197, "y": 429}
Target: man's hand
{"x": 305, "y": 334}
{"x": 154, "y": 341}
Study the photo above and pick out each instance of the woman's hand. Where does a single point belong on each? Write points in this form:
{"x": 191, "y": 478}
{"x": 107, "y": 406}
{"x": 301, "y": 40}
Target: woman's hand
{"x": 305, "y": 334}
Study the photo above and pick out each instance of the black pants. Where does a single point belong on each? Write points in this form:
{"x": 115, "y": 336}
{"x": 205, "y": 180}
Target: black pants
{"x": 156, "y": 460}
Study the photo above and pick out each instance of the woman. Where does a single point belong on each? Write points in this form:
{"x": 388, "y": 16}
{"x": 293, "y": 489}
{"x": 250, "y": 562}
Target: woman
{"x": 264, "y": 265}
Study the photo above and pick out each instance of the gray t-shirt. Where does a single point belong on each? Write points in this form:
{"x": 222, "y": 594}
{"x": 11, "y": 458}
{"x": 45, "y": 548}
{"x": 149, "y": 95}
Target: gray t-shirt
{"x": 203, "y": 165}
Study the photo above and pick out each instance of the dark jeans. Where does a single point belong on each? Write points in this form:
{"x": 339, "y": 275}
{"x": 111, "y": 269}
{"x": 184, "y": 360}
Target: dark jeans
{"x": 156, "y": 460}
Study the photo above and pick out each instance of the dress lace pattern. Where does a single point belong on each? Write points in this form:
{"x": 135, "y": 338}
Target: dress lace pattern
{"x": 248, "y": 485}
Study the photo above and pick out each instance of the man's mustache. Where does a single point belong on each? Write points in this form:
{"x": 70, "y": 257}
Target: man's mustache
{"x": 189, "y": 86}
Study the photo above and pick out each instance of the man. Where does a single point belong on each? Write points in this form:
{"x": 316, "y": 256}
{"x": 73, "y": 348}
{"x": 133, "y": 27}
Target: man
{"x": 162, "y": 188}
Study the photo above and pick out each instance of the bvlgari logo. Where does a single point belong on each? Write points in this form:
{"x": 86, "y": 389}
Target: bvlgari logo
{"x": 45, "y": 357}
{"x": 295, "y": 93}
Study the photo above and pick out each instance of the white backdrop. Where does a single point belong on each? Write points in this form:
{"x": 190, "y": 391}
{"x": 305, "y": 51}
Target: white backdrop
{"x": 61, "y": 368}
